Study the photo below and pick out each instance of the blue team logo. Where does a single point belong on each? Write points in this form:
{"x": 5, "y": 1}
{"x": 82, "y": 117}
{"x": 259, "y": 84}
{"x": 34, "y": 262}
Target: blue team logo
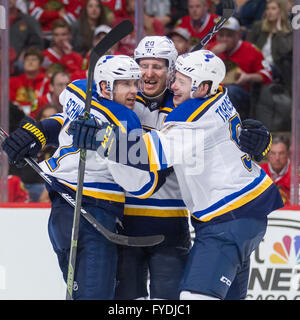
{"x": 107, "y": 58}
{"x": 208, "y": 57}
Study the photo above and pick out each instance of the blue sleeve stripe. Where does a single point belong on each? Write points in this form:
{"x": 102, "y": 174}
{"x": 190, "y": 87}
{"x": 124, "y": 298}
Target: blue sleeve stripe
{"x": 99, "y": 185}
{"x": 155, "y": 202}
{"x": 148, "y": 188}
{"x": 54, "y": 162}
{"x": 236, "y": 199}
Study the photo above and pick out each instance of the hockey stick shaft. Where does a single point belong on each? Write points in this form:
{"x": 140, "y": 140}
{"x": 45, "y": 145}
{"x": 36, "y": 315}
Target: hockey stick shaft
{"x": 228, "y": 11}
{"x": 111, "y": 236}
{"x": 114, "y": 36}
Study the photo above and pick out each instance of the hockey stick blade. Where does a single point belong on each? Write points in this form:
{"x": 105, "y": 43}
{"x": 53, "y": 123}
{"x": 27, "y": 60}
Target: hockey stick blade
{"x": 111, "y": 236}
{"x": 228, "y": 11}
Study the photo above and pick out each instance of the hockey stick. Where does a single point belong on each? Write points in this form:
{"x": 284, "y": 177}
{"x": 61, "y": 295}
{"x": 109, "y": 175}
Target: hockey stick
{"x": 114, "y": 36}
{"x": 105, "y": 44}
{"x": 228, "y": 11}
{"x": 111, "y": 236}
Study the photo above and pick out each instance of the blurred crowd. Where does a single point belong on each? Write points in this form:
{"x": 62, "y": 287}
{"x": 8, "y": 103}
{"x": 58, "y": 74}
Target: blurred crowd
{"x": 51, "y": 40}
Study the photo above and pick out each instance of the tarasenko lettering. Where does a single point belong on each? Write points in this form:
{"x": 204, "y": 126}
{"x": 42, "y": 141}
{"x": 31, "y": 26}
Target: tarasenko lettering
{"x": 225, "y": 109}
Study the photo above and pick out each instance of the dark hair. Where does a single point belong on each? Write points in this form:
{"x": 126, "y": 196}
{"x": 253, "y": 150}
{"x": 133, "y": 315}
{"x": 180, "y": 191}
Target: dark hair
{"x": 34, "y": 51}
{"x": 102, "y": 18}
{"x": 47, "y": 106}
{"x": 209, "y": 82}
{"x": 60, "y": 23}
{"x": 56, "y": 73}
{"x": 86, "y": 31}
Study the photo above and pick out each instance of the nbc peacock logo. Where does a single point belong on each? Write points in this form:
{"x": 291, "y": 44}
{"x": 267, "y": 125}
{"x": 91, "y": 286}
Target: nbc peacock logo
{"x": 287, "y": 251}
{"x": 275, "y": 264}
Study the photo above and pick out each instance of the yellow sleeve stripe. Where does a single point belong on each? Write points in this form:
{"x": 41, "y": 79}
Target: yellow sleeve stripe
{"x": 162, "y": 213}
{"x": 60, "y": 120}
{"x": 204, "y": 105}
{"x": 99, "y": 106}
{"x": 151, "y": 155}
{"x": 100, "y": 195}
{"x": 166, "y": 109}
{"x": 141, "y": 99}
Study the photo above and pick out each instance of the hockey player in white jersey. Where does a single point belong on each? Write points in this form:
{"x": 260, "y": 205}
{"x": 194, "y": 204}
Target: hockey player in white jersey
{"x": 151, "y": 214}
{"x": 227, "y": 194}
{"x": 164, "y": 212}
{"x": 116, "y": 79}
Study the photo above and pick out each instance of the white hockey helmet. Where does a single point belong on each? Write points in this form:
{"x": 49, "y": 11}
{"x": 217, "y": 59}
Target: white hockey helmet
{"x": 157, "y": 47}
{"x": 111, "y": 68}
{"x": 201, "y": 65}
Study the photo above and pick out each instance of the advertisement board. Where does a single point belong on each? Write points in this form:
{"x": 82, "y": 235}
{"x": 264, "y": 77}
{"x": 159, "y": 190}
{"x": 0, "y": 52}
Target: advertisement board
{"x": 275, "y": 265}
{"x": 29, "y": 268}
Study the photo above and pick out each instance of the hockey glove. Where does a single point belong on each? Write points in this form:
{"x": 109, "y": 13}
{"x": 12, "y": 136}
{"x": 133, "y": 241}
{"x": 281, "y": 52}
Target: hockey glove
{"x": 25, "y": 141}
{"x": 91, "y": 134}
{"x": 255, "y": 139}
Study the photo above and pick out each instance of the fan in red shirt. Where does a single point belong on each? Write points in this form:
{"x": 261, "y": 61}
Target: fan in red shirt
{"x": 47, "y": 12}
{"x": 278, "y": 166}
{"x": 152, "y": 26}
{"x": 199, "y": 21}
{"x": 99, "y": 33}
{"x": 60, "y": 56}
{"x": 16, "y": 191}
{"x": 58, "y": 82}
{"x": 245, "y": 64}
{"x": 25, "y": 89}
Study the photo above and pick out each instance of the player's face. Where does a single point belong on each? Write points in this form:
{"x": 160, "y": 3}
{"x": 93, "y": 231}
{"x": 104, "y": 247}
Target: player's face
{"x": 278, "y": 156}
{"x": 154, "y": 76}
{"x": 181, "y": 88}
{"x": 197, "y": 9}
{"x": 125, "y": 92}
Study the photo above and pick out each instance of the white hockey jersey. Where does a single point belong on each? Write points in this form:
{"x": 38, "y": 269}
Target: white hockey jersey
{"x": 103, "y": 179}
{"x": 200, "y": 140}
{"x": 141, "y": 215}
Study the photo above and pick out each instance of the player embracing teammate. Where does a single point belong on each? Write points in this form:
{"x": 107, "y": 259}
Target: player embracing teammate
{"x": 228, "y": 195}
{"x": 228, "y": 198}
